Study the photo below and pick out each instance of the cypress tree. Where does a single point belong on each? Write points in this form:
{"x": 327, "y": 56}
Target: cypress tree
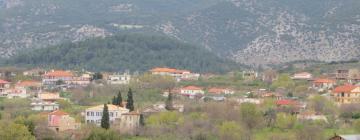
{"x": 119, "y": 99}
{"x": 114, "y": 101}
{"x": 130, "y": 101}
{"x": 169, "y": 102}
{"x": 142, "y": 120}
{"x": 105, "y": 119}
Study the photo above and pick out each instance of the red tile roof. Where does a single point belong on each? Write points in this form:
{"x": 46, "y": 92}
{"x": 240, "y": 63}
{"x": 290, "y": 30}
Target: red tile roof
{"x": 59, "y": 73}
{"x": 29, "y": 83}
{"x": 191, "y": 88}
{"x": 58, "y": 113}
{"x": 324, "y": 80}
{"x": 217, "y": 90}
{"x": 4, "y": 82}
{"x": 344, "y": 88}
{"x": 286, "y": 102}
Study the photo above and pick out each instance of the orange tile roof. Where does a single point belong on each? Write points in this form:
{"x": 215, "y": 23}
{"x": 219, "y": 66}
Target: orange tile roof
{"x": 170, "y": 70}
{"x": 58, "y": 113}
{"x": 59, "y": 73}
{"x": 191, "y": 88}
{"x": 29, "y": 83}
{"x": 324, "y": 80}
{"x": 344, "y": 88}
{"x": 4, "y": 82}
{"x": 217, "y": 90}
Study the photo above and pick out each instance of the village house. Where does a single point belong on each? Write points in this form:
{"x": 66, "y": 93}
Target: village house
{"x": 289, "y": 106}
{"x": 160, "y": 107}
{"x": 249, "y": 75}
{"x": 44, "y": 106}
{"x": 217, "y": 91}
{"x": 61, "y": 121}
{"x": 346, "y": 94}
{"x": 4, "y": 85}
{"x": 129, "y": 122}
{"x": 341, "y": 74}
{"x": 16, "y": 92}
{"x": 94, "y": 114}
{"x": 272, "y": 95}
{"x": 311, "y": 116}
{"x": 31, "y": 86}
{"x": 177, "y": 74}
{"x": 48, "y": 96}
{"x": 249, "y": 100}
{"x": 302, "y": 76}
{"x": 269, "y": 76}
{"x": 323, "y": 84}
{"x": 192, "y": 91}
{"x": 119, "y": 79}
{"x": 34, "y": 72}
{"x": 54, "y": 77}
{"x": 82, "y": 80}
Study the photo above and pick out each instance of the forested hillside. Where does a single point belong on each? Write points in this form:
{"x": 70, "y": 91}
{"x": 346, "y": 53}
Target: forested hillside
{"x": 124, "y": 52}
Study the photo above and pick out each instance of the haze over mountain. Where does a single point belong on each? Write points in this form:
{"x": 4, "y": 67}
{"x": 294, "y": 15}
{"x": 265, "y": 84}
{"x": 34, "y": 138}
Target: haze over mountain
{"x": 251, "y": 32}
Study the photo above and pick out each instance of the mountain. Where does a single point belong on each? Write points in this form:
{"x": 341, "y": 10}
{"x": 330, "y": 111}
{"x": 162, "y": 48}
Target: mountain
{"x": 252, "y": 32}
{"x": 135, "y": 52}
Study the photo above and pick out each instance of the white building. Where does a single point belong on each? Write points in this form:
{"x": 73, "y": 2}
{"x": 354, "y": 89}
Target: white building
{"x": 192, "y": 91}
{"x": 94, "y": 114}
{"x": 177, "y": 74}
{"x": 44, "y": 106}
{"x": 119, "y": 79}
{"x": 302, "y": 76}
{"x": 17, "y": 92}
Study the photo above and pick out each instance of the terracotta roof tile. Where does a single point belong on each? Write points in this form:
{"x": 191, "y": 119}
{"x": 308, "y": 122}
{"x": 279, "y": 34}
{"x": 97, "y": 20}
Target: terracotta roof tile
{"x": 59, "y": 73}
{"x": 344, "y": 88}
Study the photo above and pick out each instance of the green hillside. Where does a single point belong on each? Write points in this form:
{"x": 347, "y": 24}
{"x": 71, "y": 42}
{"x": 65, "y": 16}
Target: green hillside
{"x": 123, "y": 52}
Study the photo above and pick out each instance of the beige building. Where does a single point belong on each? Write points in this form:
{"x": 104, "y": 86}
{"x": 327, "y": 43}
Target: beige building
{"x": 347, "y": 94}
{"x": 129, "y": 122}
{"x": 61, "y": 121}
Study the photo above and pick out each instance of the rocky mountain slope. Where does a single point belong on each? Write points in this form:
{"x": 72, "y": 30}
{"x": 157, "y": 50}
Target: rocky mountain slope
{"x": 253, "y": 32}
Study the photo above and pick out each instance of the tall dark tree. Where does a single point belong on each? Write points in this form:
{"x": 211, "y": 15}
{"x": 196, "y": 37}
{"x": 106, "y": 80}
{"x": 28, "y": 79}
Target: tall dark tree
{"x": 119, "y": 99}
{"x": 97, "y": 76}
{"x": 114, "y": 101}
{"x": 142, "y": 120}
{"x": 169, "y": 102}
{"x": 105, "y": 119}
{"x": 130, "y": 101}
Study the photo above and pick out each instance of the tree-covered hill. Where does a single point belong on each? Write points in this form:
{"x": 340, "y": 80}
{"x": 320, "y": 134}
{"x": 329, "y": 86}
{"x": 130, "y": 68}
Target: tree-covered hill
{"x": 135, "y": 52}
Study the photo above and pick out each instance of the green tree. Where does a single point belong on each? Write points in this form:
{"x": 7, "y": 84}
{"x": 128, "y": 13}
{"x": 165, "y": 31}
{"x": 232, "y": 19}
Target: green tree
{"x": 114, "y": 101}
{"x": 105, "y": 119}
{"x": 101, "y": 134}
{"x": 284, "y": 81}
{"x": 230, "y": 131}
{"x": 97, "y": 76}
{"x": 270, "y": 117}
{"x": 119, "y": 100}
{"x": 250, "y": 116}
{"x": 130, "y": 101}
{"x": 13, "y": 131}
{"x": 285, "y": 121}
{"x": 142, "y": 120}
{"x": 169, "y": 102}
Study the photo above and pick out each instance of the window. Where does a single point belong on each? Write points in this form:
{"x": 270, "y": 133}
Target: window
{"x": 87, "y": 113}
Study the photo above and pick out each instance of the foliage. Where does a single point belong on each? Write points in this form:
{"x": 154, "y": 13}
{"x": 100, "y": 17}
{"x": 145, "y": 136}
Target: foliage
{"x": 130, "y": 101}
{"x": 133, "y": 52}
{"x": 230, "y": 131}
{"x": 250, "y": 115}
{"x": 105, "y": 119}
{"x": 285, "y": 121}
{"x": 12, "y": 131}
{"x": 165, "y": 118}
{"x": 103, "y": 134}
{"x": 283, "y": 81}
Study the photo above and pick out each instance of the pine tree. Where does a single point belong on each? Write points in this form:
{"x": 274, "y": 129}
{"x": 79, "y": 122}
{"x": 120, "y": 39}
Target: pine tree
{"x": 169, "y": 102}
{"x": 119, "y": 99}
{"x": 105, "y": 120}
{"x": 130, "y": 101}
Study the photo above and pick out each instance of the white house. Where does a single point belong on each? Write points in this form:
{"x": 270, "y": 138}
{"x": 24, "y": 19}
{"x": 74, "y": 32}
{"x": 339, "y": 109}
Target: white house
{"x": 94, "y": 114}
{"x": 302, "y": 76}
{"x": 192, "y": 91}
{"x": 119, "y": 79}
{"x": 4, "y": 85}
{"x": 17, "y": 92}
{"x": 44, "y": 106}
